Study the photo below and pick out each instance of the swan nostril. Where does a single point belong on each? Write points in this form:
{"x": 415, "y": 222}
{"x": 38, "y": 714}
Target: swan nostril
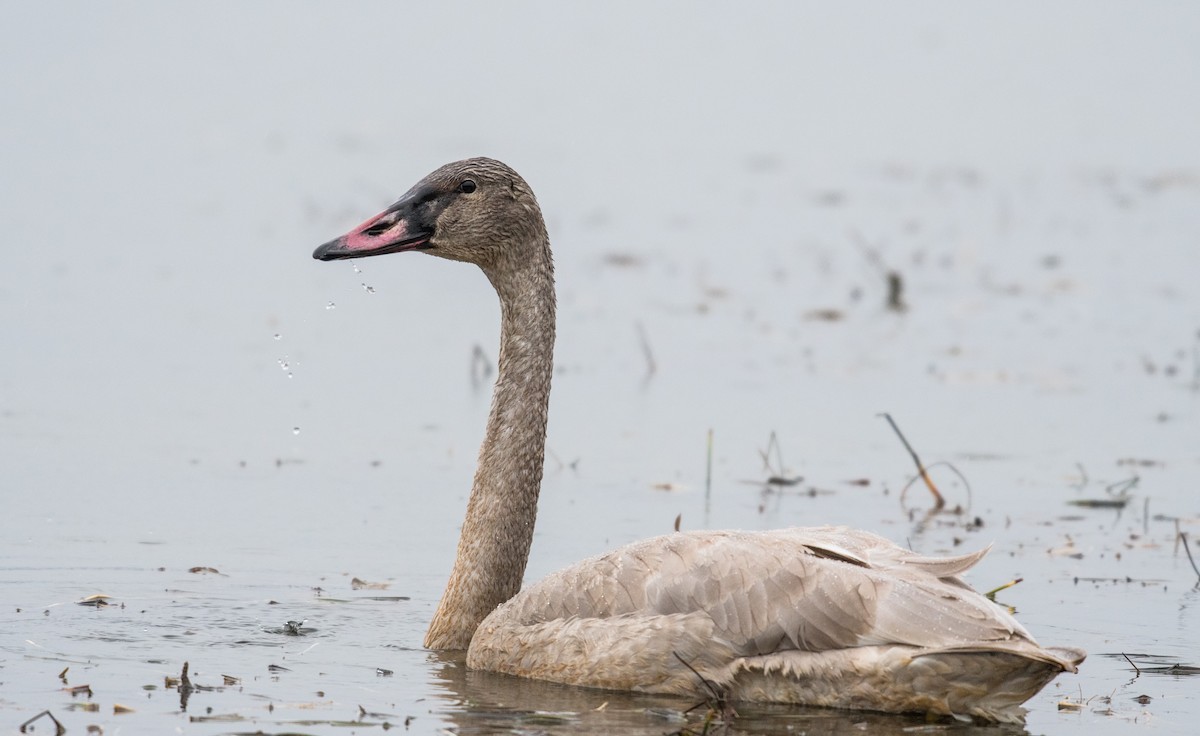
{"x": 378, "y": 228}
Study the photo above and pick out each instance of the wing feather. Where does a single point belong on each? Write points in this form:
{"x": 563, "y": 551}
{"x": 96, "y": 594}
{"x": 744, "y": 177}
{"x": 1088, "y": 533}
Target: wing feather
{"x": 808, "y": 589}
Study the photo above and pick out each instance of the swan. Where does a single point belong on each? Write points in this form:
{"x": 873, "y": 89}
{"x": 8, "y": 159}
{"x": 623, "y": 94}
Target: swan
{"x": 825, "y": 616}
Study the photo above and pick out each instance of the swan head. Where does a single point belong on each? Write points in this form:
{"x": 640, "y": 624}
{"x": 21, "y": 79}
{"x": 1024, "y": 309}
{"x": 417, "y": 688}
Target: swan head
{"x": 478, "y": 210}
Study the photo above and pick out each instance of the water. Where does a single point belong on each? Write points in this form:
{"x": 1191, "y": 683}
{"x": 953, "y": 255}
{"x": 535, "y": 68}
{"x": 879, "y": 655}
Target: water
{"x": 726, "y": 195}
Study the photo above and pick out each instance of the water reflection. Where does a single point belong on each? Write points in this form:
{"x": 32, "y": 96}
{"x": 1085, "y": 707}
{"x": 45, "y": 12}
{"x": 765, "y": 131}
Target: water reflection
{"x": 486, "y": 703}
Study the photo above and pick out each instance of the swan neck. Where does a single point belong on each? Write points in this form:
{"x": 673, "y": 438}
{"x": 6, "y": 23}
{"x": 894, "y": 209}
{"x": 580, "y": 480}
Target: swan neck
{"x": 498, "y": 530}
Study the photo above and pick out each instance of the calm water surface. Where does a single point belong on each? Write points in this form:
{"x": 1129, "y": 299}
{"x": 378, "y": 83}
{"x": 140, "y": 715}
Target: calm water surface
{"x": 183, "y": 388}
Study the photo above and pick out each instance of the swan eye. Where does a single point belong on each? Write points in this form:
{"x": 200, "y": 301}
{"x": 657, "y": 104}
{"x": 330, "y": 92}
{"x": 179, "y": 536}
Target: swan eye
{"x": 467, "y": 186}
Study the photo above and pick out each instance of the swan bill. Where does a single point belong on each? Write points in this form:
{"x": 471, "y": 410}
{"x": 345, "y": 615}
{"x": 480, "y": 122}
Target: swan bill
{"x": 399, "y": 228}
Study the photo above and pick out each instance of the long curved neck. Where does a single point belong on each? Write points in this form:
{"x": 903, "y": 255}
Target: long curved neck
{"x": 498, "y": 530}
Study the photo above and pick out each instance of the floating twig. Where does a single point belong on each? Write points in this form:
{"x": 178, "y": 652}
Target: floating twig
{"x": 185, "y": 688}
{"x": 1186, "y": 548}
{"x": 939, "y": 501}
{"x": 991, "y": 594}
{"x": 1116, "y": 502}
{"x": 966, "y": 486}
{"x": 59, "y": 729}
{"x": 1131, "y": 664}
{"x": 895, "y": 282}
{"x": 895, "y": 292}
{"x": 1122, "y": 487}
{"x": 772, "y": 443}
{"x": 651, "y": 366}
{"x": 1083, "y": 477}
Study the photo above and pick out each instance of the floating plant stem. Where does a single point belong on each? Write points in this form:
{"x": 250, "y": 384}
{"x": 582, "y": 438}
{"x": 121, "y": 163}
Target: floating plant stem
{"x": 1186, "y": 548}
{"x": 991, "y": 594}
{"x": 939, "y": 500}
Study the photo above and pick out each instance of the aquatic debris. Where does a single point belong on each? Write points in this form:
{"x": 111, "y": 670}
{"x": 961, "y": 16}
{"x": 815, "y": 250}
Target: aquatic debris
{"x": 824, "y": 315}
{"x": 382, "y": 672}
{"x": 647, "y": 353}
{"x": 204, "y": 570}
{"x": 1186, "y": 548}
{"x": 231, "y": 680}
{"x": 991, "y": 594}
{"x": 776, "y": 480}
{"x": 1130, "y": 580}
{"x": 59, "y": 729}
{"x": 778, "y": 475}
{"x": 1141, "y": 462}
{"x": 622, "y": 260}
{"x": 717, "y": 707}
{"x": 185, "y": 687}
{"x": 1182, "y": 670}
{"x": 1115, "y": 502}
{"x": 221, "y": 718}
{"x": 923, "y": 471}
{"x": 359, "y": 584}
{"x": 1067, "y": 550}
{"x": 895, "y": 292}
{"x": 98, "y": 600}
{"x": 895, "y": 282}
{"x": 118, "y": 709}
{"x": 1164, "y": 667}
{"x": 294, "y": 628}
{"x": 79, "y": 690}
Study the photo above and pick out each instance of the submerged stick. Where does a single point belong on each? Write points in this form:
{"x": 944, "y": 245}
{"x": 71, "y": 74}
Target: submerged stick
{"x": 937, "y": 496}
{"x": 1131, "y": 664}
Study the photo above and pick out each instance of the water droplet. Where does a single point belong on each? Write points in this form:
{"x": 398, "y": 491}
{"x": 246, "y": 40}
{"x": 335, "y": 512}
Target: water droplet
{"x": 290, "y": 374}
{"x": 356, "y": 268}
{"x": 278, "y": 336}
{"x": 295, "y": 430}
{"x": 370, "y": 289}
{"x": 331, "y": 305}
